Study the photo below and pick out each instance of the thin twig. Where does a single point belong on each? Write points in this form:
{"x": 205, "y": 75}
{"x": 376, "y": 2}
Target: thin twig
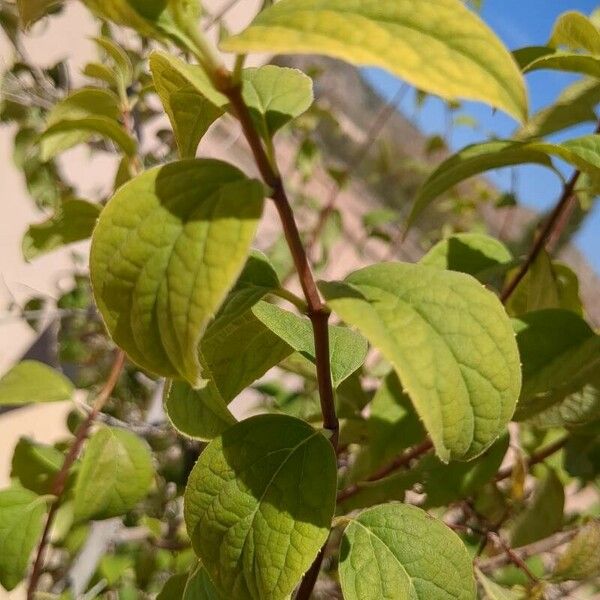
{"x": 552, "y": 230}
{"x": 60, "y": 481}
{"x": 398, "y": 463}
{"x": 536, "y": 458}
{"x": 546, "y": 545}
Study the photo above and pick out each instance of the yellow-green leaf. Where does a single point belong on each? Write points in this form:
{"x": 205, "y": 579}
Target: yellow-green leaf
{"x": 451, "y": 343}
{"x": 575, "y": 31}
{"x": 193, "y": 217}
{"x": 440, "y": 46}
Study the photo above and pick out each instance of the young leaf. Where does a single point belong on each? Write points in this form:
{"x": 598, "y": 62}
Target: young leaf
{"x": 201, "y": 414}
{"x": 82, "y": 103}
{"x": 399, "y": 551}
{"x": 446, "y": 49}
{"x": 450, "y": 342}
{"x": 122, "y": 62}
{"x": 472, "y": 253}
{"x": 73, "y": 221}
{"x": 544, "y": 515}
{"x": 191, "y": 113}
{"x": 116, "y": 473}
{"x": 574, "y": 106}
{"x": 470, "y": 161}
{"x": 538, "y": 58}
{"x": 560, "y": 354}
{"x": 53, "y": 139}
{"x": 276, "y": 95}
{"x": 21, "y": 523}
{"x": 347, "y": 349}
{"x": 581, "y": 560}
{"x": 32, "y": 381}
{"x": 35, "y": 465}
{"x": 193, "y": 216}
{"x": 575, "y": 31}
{"x": 258, "y": 505}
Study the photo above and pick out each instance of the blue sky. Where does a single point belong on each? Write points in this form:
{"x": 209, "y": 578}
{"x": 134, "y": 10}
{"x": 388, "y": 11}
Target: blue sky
{"x": 519, "y": 23}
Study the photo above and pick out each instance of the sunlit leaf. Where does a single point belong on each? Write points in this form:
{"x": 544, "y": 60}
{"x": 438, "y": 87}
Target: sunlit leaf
{"x": 450, "y": 342}
{"x": 442, "y": 48}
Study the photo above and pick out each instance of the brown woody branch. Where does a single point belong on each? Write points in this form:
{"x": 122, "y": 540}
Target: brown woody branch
{"x": 552, "y": 230}
{"x": 317, "y": 310}
{"x": 60, "y": 481}
{"x": 401, "y": 462}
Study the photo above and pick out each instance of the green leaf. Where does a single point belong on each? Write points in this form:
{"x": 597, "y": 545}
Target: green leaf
{"x": 174, "y": 587}
{"x": 35, "y": 465}
{"x": 537, "y": 58}
{"x": 493, "y": 591}
{"x": 240, "y": 351}
{"x": 53, "y": 139}
{"x": 347, "y": 349}
{"x": 546, "y": 285}
{"x": 115, "y": 474}
{"x": 446, "y": 50}
{"x": 32, "y": 381}
{"x": 581, "y": 559}
{"x": 152, "y": 18}
{"x": 582, "y": 152}
{"x": 192, "y": 216}
{"x": 444, "y": 484}
{"x": 470, "y": 161}
{"x": 276, "y": 95}
{"x": 544, "y": 514}
{"x": 31, "y": 11}
{"x": 259, "y": 503}
{"x": 199, "y": 586}
{"x": 560, "y": 355}
{"x": 399, "y": 552}
{"x": 200, "y": 414}
{"x": 21, "y": 523}
{"x": 73, "y": 221}
{"x": 80, "y": 104}
{"x": 472, "y": 253}
{"x": 191, "y": 113}
{"x": 392, "y": 426}
{"x": 575, "y": 105}
{"x": 120, "y": 58}
{"x": 576, "y": 32}
{"x": 450, "y": 342}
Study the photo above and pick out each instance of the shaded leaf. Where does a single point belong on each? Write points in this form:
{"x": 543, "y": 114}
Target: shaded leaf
{"x": 446, "y": 50}
{"x": 259, "y": 503}
{"x": 537, "y": 58}
{"x": 560, "y": 355}
{"x": 543, "y": 516}
{"x": 35, "y": 465}
{"x": 493, "y": 591}
{"x": 31, "y": 11}
{"x": 73, "y": 221}
{"x": 200, "y": 414}
{"x": 472, "y": 253}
